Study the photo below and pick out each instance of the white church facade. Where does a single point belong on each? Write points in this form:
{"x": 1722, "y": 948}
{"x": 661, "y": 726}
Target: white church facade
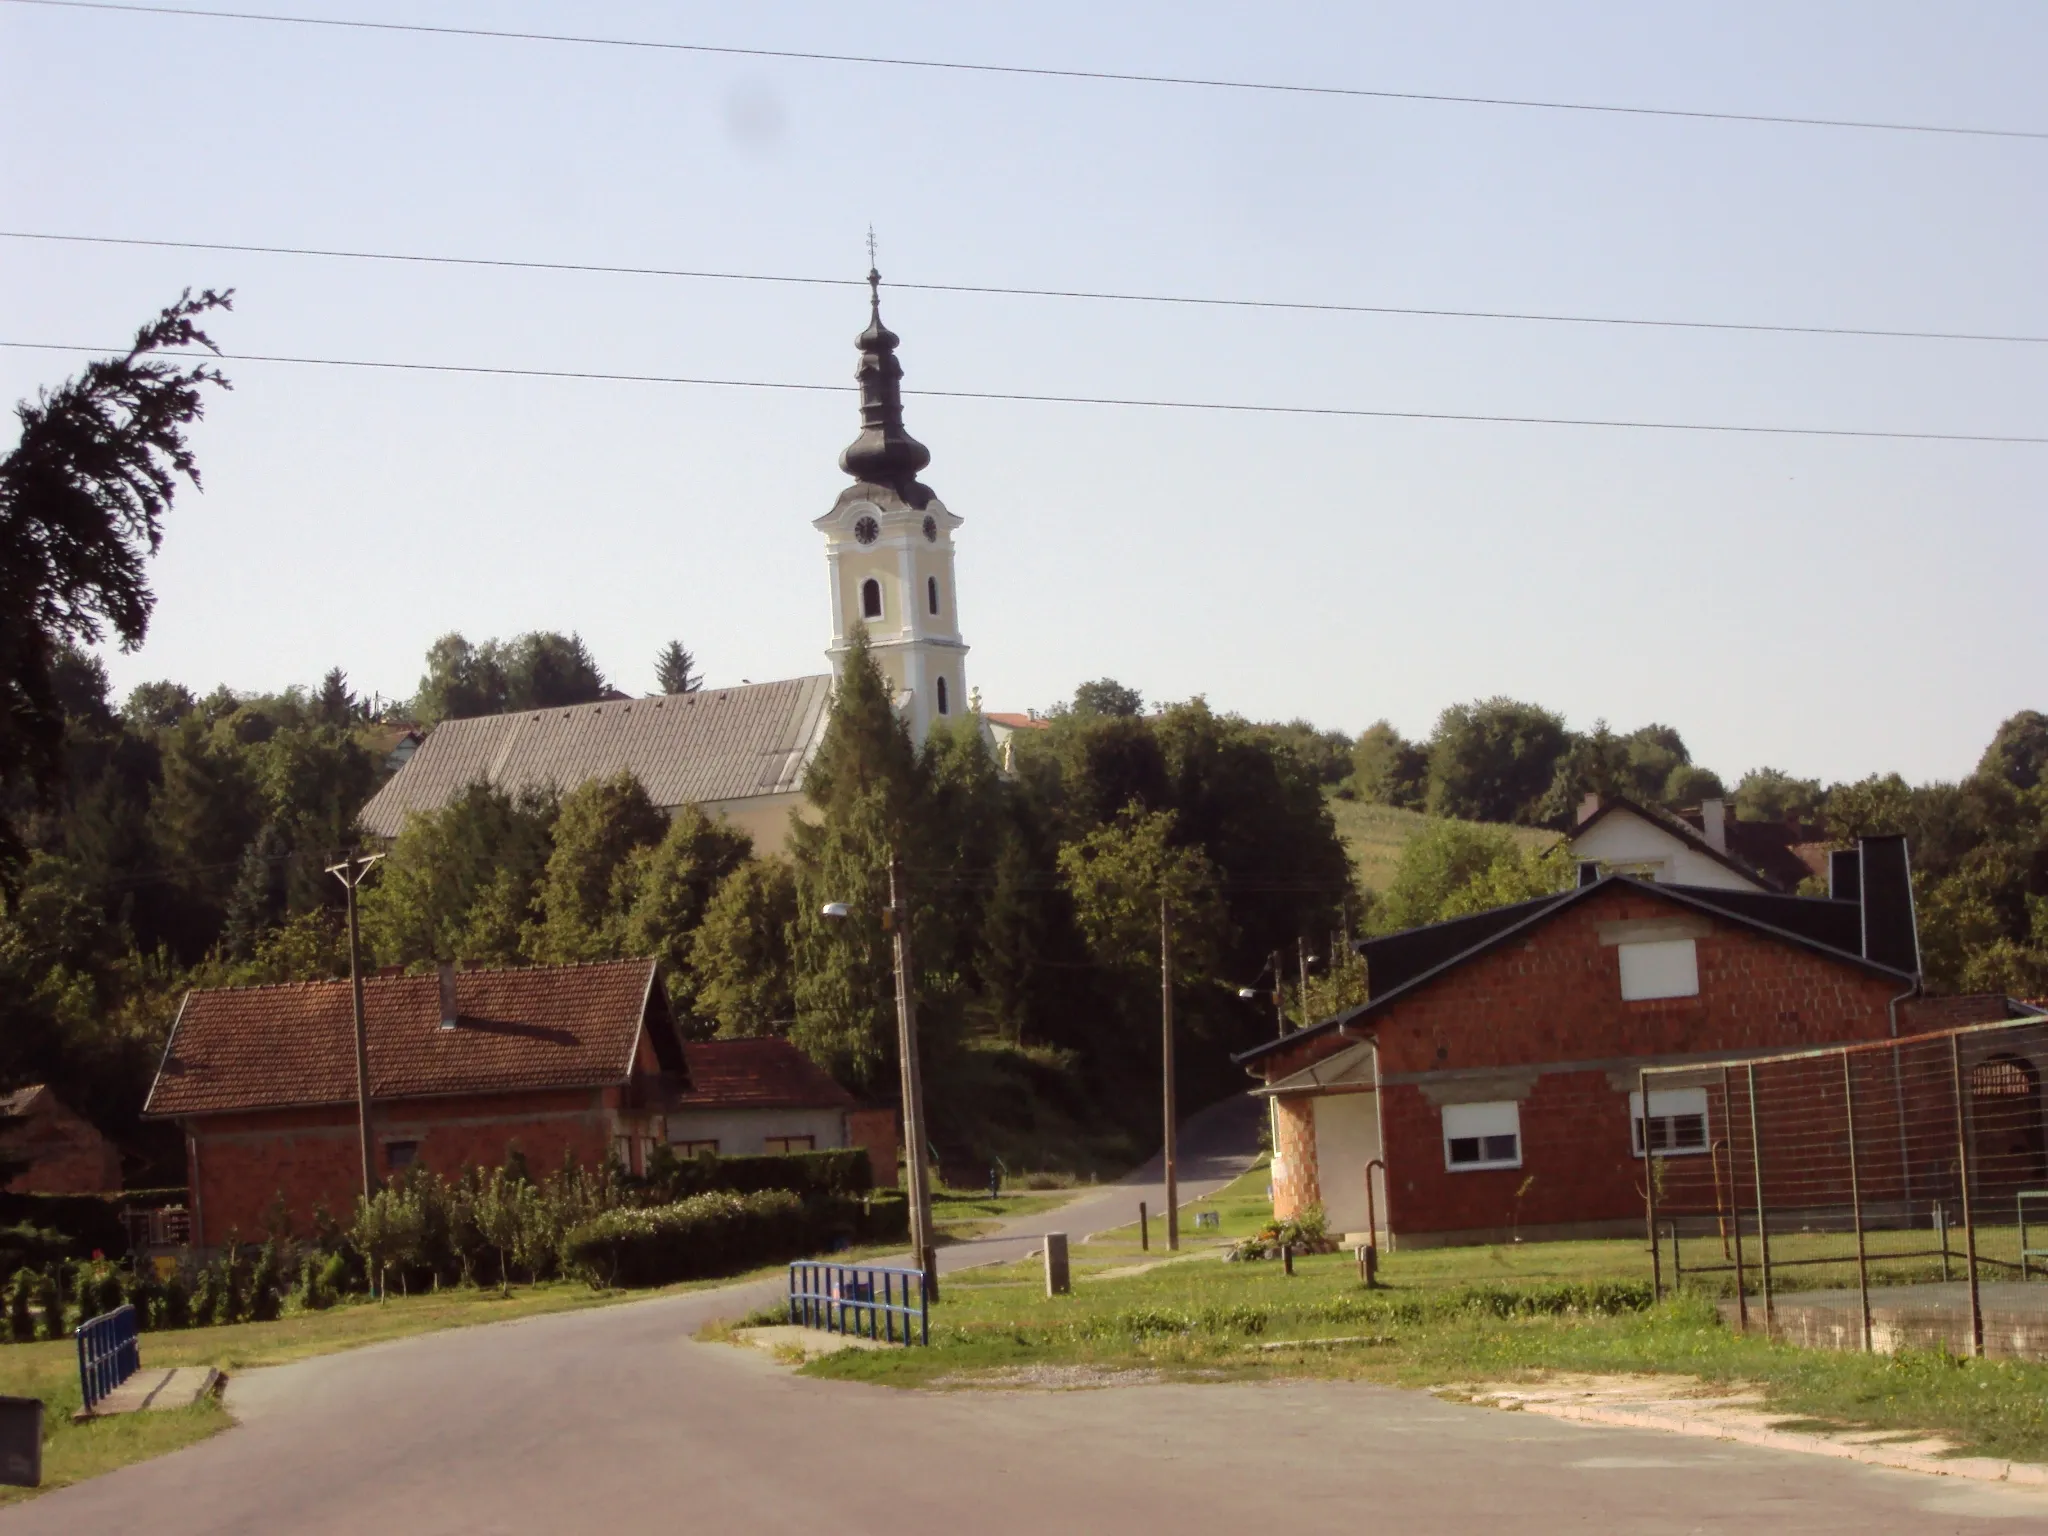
{"x": 741, "y": 753}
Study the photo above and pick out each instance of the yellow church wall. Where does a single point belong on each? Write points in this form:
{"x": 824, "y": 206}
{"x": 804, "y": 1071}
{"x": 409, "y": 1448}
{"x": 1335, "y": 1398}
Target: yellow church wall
{"x": 764, "y": 818}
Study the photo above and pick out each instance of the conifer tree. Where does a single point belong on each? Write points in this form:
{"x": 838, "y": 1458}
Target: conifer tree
{"x": 868, "y": 790}
{"x": 589, "y": 884}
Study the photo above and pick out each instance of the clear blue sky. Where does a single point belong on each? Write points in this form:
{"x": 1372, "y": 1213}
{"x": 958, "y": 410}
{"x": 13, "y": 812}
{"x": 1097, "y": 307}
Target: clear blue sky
{"x": 1831, "y": 607}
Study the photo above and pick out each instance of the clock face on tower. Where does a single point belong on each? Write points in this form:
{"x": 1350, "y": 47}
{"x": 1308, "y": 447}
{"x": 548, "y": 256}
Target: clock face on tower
{"x": 931, "y": 530}
{"x": 867, "y": 530}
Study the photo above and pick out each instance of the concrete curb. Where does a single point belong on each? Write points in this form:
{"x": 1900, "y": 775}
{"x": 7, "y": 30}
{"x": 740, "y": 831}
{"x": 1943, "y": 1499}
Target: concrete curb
{"x": 1982, "y": 1469}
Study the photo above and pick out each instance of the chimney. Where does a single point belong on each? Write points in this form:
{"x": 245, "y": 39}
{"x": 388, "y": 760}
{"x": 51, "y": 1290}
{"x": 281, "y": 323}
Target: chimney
{"x": 1589, "y": 806}
{"x": 1891, "y": 933}
{"x": 1845, "y": 875}
{"x": 449, "y": 1015}
{"x": 1714, "y": 824}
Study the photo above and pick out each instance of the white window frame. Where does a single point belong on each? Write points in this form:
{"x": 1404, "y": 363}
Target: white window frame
{"x": 1670, "y": 1105}
{"x": 1659, "y": 968}
{"x": 1482, "y": 1123}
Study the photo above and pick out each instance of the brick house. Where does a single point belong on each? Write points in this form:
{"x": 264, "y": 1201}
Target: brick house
{"x": 1493, "y": 1070}
{"x": 65, "y": 1152}
{"x": 576, "y": 1061}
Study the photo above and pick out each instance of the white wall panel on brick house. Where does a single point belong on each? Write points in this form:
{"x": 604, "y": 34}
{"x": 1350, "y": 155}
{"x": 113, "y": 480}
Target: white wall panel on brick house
{"x": 1347, "y": 1138}
{"x": 1668, "y": 968}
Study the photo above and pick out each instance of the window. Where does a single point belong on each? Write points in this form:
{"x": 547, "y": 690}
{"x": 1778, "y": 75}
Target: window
{"x": 1666, "y": 968}
{"x": 942, "y": 695}
{"x": 400, "y": 1154}
{"x": 696, "y": 1148}
{"x": 1678, "y": 1121}
{"x": 871, "y": 599}
{"x": 1482, "y": 1136}
{"x": 931, "y": 593}
{"x": 789, "y": 1143}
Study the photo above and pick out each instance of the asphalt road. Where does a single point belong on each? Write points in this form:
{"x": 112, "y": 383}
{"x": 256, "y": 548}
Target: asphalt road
{"x": 616, "y": 1420}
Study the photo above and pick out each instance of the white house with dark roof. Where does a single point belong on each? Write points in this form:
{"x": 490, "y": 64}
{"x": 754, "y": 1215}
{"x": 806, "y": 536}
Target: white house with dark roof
{"x": 741, "y": 753}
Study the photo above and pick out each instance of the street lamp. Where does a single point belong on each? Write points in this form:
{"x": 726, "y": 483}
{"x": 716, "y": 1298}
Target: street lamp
{"x": 896, "y": 921}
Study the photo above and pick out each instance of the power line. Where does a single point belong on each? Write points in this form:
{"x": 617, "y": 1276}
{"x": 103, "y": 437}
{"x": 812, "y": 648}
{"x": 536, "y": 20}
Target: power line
{"x": 1212, "y": 406}
{"x": 995, "y": 290}
{"x": 1121, "y": 77}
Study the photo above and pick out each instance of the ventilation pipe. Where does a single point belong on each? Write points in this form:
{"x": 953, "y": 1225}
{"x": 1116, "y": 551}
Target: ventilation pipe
{"x": 1714, "y": 824}
{"x": 448, "y": 1010}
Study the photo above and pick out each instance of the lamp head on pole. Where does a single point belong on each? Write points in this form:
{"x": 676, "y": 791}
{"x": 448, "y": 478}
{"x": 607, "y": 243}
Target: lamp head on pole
{"x": 835, "y": 910}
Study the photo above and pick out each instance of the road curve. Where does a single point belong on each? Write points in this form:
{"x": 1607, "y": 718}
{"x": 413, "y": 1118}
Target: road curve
{"x": 616, "y": 1420}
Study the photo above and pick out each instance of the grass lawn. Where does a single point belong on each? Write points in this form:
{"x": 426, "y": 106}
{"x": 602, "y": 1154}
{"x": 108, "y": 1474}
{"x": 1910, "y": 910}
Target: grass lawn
{"x": 1375, "y": 835}
{"x": 1446, "y": 1316}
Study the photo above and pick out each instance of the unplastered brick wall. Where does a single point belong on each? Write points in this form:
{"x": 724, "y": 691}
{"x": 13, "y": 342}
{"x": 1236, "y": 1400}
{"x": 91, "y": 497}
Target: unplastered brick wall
{"x": 242, "y": 1163}
{"x": 1295, "y": 1183}
{"x": 1550, "y": 1000}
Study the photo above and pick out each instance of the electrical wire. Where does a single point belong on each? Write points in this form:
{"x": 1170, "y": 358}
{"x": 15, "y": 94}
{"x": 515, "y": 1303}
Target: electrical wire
{"x": 1298, "y": 306}
{"x": 1118, "y": 77}
{"x": 1229, "y": 407}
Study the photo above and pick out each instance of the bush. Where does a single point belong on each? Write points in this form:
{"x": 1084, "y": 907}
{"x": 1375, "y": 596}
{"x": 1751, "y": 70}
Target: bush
{"x": 315, "y": 1293}
{"x": 842, "y": 1171}
{"x": 205, "y": 1307}
{"x": 339, "y": 1276}
{"x": 21, "y": 1323}
{"x": 176, "y": 1311}
{"x": 24, "y": 1246}
{"x": 50, "y": 1303}
{"x": 721, "y": 1234}
{"x": 265, "y": 1285}
{"x": 87, "y": 1223}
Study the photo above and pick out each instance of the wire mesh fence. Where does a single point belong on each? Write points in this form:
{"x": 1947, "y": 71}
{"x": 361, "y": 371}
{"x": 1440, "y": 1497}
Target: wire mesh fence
{"x": 1920, "y": 1159}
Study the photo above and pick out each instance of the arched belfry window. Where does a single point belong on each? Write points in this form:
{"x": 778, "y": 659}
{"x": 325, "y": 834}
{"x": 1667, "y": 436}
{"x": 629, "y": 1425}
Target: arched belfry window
{"x": 931, "y": 593}
{"x": 871, "y": 599}
{"x": 942, "y": 696}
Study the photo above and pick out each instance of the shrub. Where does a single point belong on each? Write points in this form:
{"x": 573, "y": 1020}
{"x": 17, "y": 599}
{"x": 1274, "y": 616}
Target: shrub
{"x": 87, "y": 1223}
{"x": 205, "y": 1308}
{"x": 266, "y": 1284}
{"x": 842, "y": 1171}
{"x": 21, "y": 1323}
{"x": 234, "y": 1282}
{"x": 338, "y": 1275}
{"x": 50, "y": 1303}
{"x": 24, "y": 1246}
{"x": 389, "y": 1230}
{"x": 112, "y": 1294}
{"x": 701, "y": 1236}
{"x": 146, "y": 1295}
{"x": 176, "y": 1309}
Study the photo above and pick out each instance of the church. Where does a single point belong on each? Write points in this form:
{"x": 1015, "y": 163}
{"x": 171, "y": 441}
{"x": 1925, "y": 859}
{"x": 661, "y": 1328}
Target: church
{"x": 741, "y": 753}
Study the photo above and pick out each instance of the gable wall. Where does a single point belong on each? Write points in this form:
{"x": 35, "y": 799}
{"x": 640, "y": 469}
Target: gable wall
{"x": 1621, "y": 838}
{"x": 1551, "y": 1001}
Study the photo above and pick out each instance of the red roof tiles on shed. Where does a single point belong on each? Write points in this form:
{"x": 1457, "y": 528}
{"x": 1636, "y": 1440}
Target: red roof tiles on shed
{"x": 764, "y": 1073}
{"x": 568, "y": 1026}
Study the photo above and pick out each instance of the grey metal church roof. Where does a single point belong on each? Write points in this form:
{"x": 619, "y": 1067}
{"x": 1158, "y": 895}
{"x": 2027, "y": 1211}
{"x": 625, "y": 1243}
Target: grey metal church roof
{"x": 723, "y": 744}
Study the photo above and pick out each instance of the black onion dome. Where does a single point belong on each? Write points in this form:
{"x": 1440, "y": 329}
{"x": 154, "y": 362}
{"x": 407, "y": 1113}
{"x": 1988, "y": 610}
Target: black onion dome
{"x": 884, "y": 453}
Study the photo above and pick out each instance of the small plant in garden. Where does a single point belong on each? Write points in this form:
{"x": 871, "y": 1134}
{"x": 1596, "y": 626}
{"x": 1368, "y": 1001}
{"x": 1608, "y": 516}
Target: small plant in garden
{"x": 177, "y": 1303}
{"x": 205, "y": 1304}
{"x": 388, "y": 1229}
{"x": 265, "y": 1285}
{"x": 50, "y": 1303}
{"x": 234, "y": 1282}
{"x": 21, "y": 1323}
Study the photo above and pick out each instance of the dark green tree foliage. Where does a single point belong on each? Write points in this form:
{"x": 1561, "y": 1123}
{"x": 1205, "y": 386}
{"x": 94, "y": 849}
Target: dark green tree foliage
{"x": 83, "y": 495}
{"x": 461, "y": 682}
{"x": 335, "y": 705}
{"x": 672, "y": 883}
{"x": 1494, "y": 760}
{"x": 742, "y": 971}
{"x": 1107, "y": 696}
{"x": 540, "y": 670}
{"x": 675, "y": 670}
{"x": 1389, "y": 769}
{"x": 868, "y": 787}
{"x": 2018, "y": 754}
{"x": 1324, "y": 755}
{"x": 588, "y": 888}
{"x": 1771, "y": 794}
{"x": 460, "y": 883}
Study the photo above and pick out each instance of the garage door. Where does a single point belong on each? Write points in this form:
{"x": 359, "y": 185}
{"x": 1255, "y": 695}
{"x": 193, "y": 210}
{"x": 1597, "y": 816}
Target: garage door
{"x": 1347, "y": 1138}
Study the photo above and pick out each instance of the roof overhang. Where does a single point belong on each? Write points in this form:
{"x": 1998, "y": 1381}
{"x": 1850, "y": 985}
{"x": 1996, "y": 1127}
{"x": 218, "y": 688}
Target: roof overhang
{"x": 1351, "y": 1070}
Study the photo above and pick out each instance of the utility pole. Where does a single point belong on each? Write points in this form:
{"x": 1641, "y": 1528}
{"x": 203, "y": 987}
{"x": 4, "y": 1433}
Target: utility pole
{"x": 1279, "y": 993}
{"x": 1301, "y": 951}
{"x": 1166, "y": 1074}
{"x": 898, "y": 918}
{"x": 351, "y": 872}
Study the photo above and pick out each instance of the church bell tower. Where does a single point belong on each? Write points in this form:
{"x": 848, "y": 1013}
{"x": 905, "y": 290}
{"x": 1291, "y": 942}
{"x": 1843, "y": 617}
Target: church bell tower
{"x": 889, "y": 545}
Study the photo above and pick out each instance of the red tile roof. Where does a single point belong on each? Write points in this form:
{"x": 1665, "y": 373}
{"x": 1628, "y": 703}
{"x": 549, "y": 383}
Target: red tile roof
{"x": 1016, "y": 722}
{"x": 568, "y": 1026}
{"x": 764, "y": 1073}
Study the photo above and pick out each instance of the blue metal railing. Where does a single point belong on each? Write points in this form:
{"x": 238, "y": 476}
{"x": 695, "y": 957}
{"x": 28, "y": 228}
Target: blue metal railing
{"x": 864, "y": 1300}
{"x": 108, "y": 1354}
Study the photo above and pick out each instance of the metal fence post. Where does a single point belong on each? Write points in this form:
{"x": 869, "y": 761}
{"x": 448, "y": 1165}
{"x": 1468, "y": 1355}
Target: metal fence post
{"x": 1763, "y": 1230}
{"x": 1650, "y": 1188}
{"x": 1955, "y": 1062}
{"x": 1734, "y": 1204}
{"x": 1856, "y": 1196}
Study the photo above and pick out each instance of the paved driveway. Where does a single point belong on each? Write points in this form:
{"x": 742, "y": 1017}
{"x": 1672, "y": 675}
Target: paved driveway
{"x": 615, "y": 1420}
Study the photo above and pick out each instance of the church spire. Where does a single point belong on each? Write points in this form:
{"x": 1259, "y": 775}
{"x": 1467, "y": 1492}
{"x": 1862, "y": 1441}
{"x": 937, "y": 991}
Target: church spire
{"x": 884, "y": 453}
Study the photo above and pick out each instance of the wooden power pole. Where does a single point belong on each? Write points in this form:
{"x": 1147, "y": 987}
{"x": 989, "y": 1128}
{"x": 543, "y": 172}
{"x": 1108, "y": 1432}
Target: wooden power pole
{"x": 1166, "y": 1074}
{"x": 351, "y": 872}
{"x": 913, "y": 1085}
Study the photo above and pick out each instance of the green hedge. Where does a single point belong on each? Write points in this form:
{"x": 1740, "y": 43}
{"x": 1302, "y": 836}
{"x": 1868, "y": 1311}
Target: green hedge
{"x": 722, "y": 1234}
{"x": 90, "y": 1223}
{"x": 844, "y": 1171}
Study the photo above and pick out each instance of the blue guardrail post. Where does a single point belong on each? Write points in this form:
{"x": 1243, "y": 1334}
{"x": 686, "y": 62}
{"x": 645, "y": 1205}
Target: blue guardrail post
{"x": 109, "y": 1352}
